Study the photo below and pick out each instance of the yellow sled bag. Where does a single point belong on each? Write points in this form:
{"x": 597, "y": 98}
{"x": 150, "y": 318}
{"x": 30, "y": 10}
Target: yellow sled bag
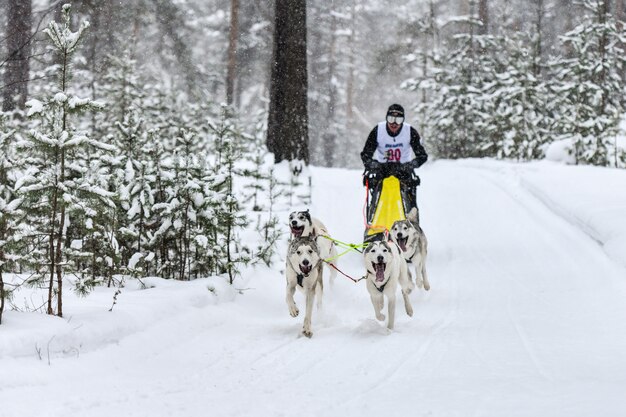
{"x": 389, "y": 207}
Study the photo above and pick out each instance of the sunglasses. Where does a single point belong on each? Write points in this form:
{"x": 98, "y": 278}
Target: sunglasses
{"x": 395, "y": 119}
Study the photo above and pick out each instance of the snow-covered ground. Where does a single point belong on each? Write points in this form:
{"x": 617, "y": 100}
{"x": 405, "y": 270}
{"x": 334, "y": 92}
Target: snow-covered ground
{"x": 526, "y": 317}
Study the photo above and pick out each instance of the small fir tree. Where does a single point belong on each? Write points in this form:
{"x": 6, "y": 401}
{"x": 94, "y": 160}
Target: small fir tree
{"x": 228, "y": 140}
{"x": 10, "y": 212}
{"x": 54, "y": 185}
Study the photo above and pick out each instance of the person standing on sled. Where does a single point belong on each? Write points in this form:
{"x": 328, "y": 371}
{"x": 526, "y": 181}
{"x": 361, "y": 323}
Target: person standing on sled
{"x": 393, "y": 148}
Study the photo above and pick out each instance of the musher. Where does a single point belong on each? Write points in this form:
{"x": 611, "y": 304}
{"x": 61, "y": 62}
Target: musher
{"x": 393, "y": 148}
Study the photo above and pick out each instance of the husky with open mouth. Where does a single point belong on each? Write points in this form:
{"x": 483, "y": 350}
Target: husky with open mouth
{"x": 302, "y": 224}
{"x": 410, "y": 237}
{"x": 386, "y": 268}
{"x": 304, "y": 272}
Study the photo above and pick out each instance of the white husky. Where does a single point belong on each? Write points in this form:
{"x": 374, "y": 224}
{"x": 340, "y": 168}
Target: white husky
{"x": 304, "y": 271}
{"x": 386, "y": 268}
{"x": 302, "y": 224}
{"x": 412, "y": 242}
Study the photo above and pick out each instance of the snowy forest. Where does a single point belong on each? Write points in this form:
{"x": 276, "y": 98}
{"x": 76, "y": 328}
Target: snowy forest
{"x": 138, "y": 138}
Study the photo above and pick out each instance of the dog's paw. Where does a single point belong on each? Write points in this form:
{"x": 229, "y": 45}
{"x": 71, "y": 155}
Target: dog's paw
{"x": 420, "y": 283}
{"x": 293, "y": 311}
{"x": 307, "y": 333}
{"x": 426, "y": 285}
{"x": 409, "y": 310}
{"x": 380, "y": 317}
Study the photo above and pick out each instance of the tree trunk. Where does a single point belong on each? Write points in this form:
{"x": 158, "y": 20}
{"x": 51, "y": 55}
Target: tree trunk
{"x": 58, "y": 259}
{"x": 603, "y": 14}
{"x": 538, "y": 47}
{"x": 483, "y": 16}
{"x": 18, "y": 37}
{"x": 51, "y": 253}
{"x": 231, "y": 70}
{"x": 620, "y": 13}
{"x": 620, "y": 16}
{"x": 287, "y": 130}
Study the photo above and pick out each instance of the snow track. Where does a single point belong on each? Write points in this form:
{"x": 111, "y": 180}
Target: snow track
{"x": 526, "y": 317}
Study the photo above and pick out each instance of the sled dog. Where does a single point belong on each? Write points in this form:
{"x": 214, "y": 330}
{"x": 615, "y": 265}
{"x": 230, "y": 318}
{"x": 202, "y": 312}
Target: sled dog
{"x": 386, "y": 268}
{"x": 410, "y": 237}
{"x": 302, "y": 224}
{"x": 304, "y": 271}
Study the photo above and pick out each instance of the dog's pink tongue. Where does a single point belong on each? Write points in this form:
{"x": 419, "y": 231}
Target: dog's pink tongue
{"x": 380, "y": 272}
{"x": 402, "y": 243}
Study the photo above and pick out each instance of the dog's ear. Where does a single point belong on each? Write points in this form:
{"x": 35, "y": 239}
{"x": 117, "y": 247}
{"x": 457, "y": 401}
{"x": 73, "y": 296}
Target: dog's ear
{"x": 412, "y": 216}
{"x": 307, "y": 215}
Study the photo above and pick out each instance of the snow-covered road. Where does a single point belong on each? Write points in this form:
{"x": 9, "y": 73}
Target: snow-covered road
{"x": 526, "y": 317}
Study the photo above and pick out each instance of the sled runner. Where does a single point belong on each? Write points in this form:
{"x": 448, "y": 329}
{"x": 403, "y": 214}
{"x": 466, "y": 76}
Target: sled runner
{"x": 387, "y": 201}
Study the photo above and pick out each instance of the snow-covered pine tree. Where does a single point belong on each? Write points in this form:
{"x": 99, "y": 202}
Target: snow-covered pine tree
{"x": 166, "y": 112}
{"x": 269, "y": 230}
{"x": 9, "y": 207}
{"x": 133, "y": 174}
{"x": 186, "y": 205}
{"x": 160, "y": 180}
{"x": 590, "y": 86}
{"x": 521, "y": 122}
{"x": 90, "y": 231}
{"x": 458, "y": 115}
{"x": 54, "y": 187}
{"x": 257, "y": 157}
{"x": 228, "y": 140}
{"x": 263, "y": 186}
{"x": 424, "y": 28}
{"x": 163, "y": 190}
{"x": 122, "y": 87}
{"x": 122, "y": 124}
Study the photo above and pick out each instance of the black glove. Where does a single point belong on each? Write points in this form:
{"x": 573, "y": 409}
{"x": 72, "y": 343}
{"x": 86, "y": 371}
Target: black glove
{"x": 413, "y": 164}
{"x": 372, "y": 165}
{"x": 404, "y": 172}
{"x": 408, "y": 175}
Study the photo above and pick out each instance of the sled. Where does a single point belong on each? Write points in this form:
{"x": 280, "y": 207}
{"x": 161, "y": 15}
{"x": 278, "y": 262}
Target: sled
{"x": 387, "y": 201}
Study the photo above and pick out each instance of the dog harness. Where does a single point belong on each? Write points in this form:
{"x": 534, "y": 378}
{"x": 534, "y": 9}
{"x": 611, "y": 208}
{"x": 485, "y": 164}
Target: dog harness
{"x": 382, "y": 288}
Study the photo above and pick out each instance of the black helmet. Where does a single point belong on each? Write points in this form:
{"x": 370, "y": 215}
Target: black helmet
{"x": 395, "y": 110}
